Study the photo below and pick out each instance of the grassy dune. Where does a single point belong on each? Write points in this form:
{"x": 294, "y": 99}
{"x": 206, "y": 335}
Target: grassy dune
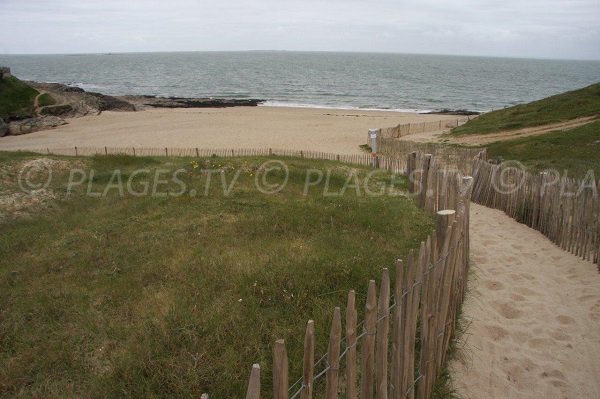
{"x": 577, "y": 150}
{"x": 559, "y": 108}
{"x": 16, "y": 98}
{"x": 175, "y": 296}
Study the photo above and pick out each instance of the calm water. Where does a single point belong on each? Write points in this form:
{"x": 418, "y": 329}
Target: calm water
{"x": 345, "y": 80}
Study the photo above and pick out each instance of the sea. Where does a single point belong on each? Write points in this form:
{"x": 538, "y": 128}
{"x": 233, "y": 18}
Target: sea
{"x": 403, "y": 82}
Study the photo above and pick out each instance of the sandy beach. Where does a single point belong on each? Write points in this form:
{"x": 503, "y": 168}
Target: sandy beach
{"x": 328, "y": 130}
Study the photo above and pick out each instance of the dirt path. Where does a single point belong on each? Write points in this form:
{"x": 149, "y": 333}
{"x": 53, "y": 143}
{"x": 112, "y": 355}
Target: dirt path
{"x": 482, "y": 139}
{"x": 534, "y": 314}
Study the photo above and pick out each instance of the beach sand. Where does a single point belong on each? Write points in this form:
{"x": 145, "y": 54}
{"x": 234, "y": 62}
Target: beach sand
{"x": 327, "y": 130}
{"x": 532, "y": 314}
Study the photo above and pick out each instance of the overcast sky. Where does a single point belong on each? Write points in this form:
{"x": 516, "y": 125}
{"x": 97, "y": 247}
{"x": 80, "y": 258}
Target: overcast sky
{"x": 515, "y": 28}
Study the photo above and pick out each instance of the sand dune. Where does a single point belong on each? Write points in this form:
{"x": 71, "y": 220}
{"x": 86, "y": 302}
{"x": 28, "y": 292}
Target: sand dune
{"x": 533, "y": 314}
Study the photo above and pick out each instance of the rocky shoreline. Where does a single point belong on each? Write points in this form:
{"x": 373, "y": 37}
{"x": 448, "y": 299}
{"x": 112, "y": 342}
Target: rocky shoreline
{"x": 141, "y": 102}
{"x": 74, "y": 102}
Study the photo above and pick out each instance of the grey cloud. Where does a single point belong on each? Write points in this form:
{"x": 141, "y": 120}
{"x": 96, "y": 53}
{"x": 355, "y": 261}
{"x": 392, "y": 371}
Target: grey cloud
{"x": 533, "y": 28}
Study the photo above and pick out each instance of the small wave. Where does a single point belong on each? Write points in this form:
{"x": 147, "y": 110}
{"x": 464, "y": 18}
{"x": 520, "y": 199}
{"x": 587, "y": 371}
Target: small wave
{"x": 271, "y": 103}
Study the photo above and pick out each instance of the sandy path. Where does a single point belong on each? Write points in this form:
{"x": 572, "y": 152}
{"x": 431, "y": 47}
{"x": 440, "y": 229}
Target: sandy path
{"x": 338, "y": 131}
{"x": 483, "y": 139}
{"x": 534, "y": 313}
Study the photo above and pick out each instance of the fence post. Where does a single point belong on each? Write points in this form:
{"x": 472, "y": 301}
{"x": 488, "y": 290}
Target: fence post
{"x": 76, "y": 151}
{"x": 280, "y": 370}
{"x": 253, "y": 391}
{"x": 398, "y": 333}
{"x": 351, "y": 346}
{"x": 134, "y": 151}
{"x": 368, "y": 344}
{"x": 309, "y": 361}
{"x": 105, "y": 150}
{"x": 383, "y": 327}
{"x": 424, "y": 180}
{"x": 333, "y": 355}
{"x": 166, "y": 152}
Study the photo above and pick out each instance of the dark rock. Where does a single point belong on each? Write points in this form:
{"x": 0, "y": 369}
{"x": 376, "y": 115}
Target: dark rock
{"x": 183, "y": 102}
{"x": 57, "y": 110}
{"x": 454, "y": 112}
{"x": 110, "y": 103}
{"x": 31, "y": 125}
{"x": 3, "y": 128}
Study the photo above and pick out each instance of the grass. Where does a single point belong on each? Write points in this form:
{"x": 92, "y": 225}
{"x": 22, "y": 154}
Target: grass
{"x": 172, "y": 297}
{"x": 559, "y": 108}
{"x": 16, "y": 99}
{"x": 45, "y": 100}
{"x": 575, "y": 150}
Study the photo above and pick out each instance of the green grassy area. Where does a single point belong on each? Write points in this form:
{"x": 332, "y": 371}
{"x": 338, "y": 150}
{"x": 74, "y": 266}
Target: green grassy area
{"x": 576, "y": 150}
{"x": 45, "y": 100}
{"x": 562, "y": 107}
{"x": 16, "y": 99}
{"x": 142, "y": 296}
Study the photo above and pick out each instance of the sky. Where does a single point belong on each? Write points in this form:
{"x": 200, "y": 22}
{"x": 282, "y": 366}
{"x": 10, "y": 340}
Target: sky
{"x": 565, "y": 29}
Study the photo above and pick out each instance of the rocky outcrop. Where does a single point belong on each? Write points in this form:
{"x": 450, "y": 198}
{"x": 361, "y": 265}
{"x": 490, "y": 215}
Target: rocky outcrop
{"x": 463, "y": 112}
{"x": 184, "y": 102}
{"x": 4, "y": 72}
{"x": 31, "y": 125}
{"x": 3, "y": 128}
{"x": 81, "y": 102}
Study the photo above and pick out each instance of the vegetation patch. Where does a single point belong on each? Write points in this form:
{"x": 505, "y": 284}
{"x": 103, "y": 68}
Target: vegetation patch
{"x": 562, "y": 107}
{"x": 45, "y": 100}
{"x": 576, "y": 150}
{"x": 16, "y": 99}
{"x": 173, "y": 296}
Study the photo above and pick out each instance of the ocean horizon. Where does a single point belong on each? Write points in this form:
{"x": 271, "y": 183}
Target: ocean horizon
{"x": 338, "y": 80}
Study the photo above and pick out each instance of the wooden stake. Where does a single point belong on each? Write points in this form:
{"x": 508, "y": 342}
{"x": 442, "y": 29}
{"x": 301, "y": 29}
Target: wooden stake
{"x": 368, "y": 344}
{"x": 309, "y": 361}
{"x": 351, "y": 392}
{"x": 383, "y": 327}
{"x": 280, "y": 370}
{"x": 253, "y": 391}
{"x": 333, "y": 355}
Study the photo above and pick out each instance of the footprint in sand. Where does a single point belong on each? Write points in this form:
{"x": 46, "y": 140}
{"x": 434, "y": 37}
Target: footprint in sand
{"x": 527, "y": 276}
{"x": 525, "y": 291}
{"x": 494, "y": 285}
{"x": 517, "y": 297}
{"x": 565, "y": 320}
{"x": 560, "y": 336}
{"x": 508, "y": 311}
{"x": 595, "y": 311}
{"x": 540, "y": 343}
{"x": 554, "y": 374}
{"x": 496, "y": 332}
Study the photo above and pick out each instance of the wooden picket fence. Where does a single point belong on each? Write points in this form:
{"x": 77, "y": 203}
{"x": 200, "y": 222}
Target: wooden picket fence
{"x": 454, "y": 157}
{"x": 565, "y": 210}
{"x": 391, "y": 163}
{"x": 407, "y": 129}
